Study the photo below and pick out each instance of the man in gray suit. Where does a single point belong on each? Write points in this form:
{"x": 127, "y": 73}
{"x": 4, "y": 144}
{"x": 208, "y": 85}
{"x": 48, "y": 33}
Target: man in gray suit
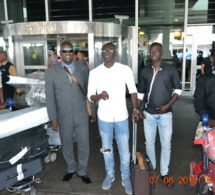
{"x": 67, "y": 110}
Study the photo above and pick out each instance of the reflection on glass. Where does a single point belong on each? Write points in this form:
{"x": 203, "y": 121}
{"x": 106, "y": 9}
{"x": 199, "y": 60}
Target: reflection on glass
{"x": 125, "y": 52}
{"x": 33, "y": 54}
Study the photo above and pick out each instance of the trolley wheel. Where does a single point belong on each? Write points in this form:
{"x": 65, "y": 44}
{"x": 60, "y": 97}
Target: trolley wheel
{"x": 38, "y": 180}
{"x": 53, "y": 156}
{"x": 18, "y": 191}
{"x": 47, "y": 158}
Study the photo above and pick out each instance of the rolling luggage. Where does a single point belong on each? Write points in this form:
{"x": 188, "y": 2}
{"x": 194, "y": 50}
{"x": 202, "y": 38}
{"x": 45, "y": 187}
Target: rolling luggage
{"x": 23, "y": 147}
{"x": 142, "y": 173}
{"x": 19, "y": 172}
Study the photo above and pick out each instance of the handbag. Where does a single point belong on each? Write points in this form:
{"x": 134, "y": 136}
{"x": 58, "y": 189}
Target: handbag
{"x": 89, "y": 105}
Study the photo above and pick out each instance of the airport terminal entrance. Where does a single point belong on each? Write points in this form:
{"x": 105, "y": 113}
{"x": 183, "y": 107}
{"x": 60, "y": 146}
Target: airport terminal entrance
{"x": 28, "y": 44}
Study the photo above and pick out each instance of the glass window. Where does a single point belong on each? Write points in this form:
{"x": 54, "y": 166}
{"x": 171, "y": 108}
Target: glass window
{"x": 33, "y": 54}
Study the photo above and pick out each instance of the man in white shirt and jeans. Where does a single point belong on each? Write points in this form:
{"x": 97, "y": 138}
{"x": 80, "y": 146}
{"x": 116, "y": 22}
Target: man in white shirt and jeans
{"x": 107, "y": 86}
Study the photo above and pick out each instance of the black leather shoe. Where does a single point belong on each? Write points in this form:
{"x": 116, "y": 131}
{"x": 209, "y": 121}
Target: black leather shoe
{"x": 168, "y": 180}
{"x": 85, "y": 179}
{"x": 68, "y": 176}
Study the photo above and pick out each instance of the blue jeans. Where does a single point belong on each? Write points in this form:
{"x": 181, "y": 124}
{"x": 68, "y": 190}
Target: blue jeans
{"x": 119, "y": 130}
{"x": 164, "y": 124}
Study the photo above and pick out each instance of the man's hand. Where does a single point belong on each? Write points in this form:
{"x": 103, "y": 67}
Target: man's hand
{"x": 93, "y": 118}
{"x": 211, "y": 122}
{"x": 104, "y": 95}
{"x": 54, "y": 125}
{"x": 142, "y": 116}
{"x": 135, "y": 115}
{"x": 162, "y": 109}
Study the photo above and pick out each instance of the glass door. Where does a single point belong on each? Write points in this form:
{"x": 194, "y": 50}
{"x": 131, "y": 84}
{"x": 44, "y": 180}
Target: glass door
{"x": 202, "y": 45}
{"x": 33, "y": 56}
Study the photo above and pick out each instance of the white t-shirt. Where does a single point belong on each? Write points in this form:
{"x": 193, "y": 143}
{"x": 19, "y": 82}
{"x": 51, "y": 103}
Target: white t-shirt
{"x": 114, "y": 81}
{"x": 0, "y": 80}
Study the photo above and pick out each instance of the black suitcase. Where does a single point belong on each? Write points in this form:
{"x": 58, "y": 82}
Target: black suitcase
{"x": 19, "y": 172}
{"x": 23, "y": 147}
{"x": 142, "y": 173}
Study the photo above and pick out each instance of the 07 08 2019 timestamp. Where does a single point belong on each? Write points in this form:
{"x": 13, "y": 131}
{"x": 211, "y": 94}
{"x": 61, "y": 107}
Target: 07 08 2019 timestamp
{"x": 179, "y": 180}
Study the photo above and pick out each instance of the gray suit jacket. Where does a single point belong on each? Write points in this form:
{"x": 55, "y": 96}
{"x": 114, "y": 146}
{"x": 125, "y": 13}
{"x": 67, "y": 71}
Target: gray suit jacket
{"x": 64, "y": 100}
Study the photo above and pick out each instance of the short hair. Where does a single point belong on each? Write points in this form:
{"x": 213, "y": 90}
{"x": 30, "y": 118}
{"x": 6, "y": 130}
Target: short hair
{"x": 52, "y": 49}
{"x": 110, "y": 43}
{"x": 158, "y": 44}
{"x": 66, "y": 42}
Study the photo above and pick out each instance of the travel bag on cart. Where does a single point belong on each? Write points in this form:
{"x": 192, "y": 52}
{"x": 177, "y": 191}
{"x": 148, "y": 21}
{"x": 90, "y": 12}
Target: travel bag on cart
{"x": 142, "y": 173}
{"x": 23, "y": 147}
{"x": 19, "y": 172}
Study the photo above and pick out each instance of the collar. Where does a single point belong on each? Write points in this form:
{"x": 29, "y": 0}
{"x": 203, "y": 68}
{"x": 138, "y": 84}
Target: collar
{"x": 68, "y": 65}
{"x": 114, "y": 65}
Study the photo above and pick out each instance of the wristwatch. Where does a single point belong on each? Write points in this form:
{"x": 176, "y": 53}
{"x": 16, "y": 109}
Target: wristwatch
{"x": 136, "y": 110}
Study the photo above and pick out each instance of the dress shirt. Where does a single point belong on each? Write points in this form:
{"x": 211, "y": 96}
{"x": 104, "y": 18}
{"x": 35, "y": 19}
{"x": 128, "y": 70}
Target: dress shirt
{"x": 70, "y": 67}
{"x": 157, "y": 87}
{"x": 114, "y": 81}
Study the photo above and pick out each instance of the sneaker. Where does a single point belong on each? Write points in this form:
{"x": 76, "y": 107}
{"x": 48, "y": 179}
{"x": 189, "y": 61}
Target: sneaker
{"x": 127, "y": 184}
{"x": 107, "y": 182}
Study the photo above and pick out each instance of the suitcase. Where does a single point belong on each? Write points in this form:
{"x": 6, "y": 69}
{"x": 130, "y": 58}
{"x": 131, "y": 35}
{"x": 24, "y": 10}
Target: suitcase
{"x": 19, "y": 172}
{"x": 142, "y": 173}
{"x": 23, "y": 147}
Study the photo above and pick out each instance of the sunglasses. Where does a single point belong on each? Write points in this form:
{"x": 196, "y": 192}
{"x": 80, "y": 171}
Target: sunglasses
{"x": 67, "y": 50}
{"x": 108, "y": 50}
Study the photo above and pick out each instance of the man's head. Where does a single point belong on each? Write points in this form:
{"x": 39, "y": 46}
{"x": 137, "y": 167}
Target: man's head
{"x": 52, "y": 51}
{"x": 109, "y": 52}
{"x": 156, "y": 52}
{"x": 66, "y": 52}
{"x": 80, "y": 56}
{"x": 200, "y": 53}
{"x": 3, "y": 56}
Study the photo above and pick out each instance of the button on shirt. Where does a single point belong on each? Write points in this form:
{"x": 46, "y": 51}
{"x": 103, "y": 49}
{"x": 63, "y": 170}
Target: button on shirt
{"x": 114, "y": 81}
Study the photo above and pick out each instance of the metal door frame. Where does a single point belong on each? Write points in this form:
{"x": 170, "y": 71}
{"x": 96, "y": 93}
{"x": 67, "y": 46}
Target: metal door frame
{"x": 19, "y": 56}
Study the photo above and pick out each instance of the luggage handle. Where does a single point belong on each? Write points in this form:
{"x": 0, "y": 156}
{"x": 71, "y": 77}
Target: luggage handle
{"x": 140, "y": 160}
{"x": 15, "y": 175}
{"x": 134, "y": 144}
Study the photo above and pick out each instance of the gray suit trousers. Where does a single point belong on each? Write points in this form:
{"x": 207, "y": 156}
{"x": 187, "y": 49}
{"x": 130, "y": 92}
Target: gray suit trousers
{"x": 81, "y": 131}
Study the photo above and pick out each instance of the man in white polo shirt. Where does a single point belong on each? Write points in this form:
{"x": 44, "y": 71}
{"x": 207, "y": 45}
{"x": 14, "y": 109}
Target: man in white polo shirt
{"x": 2, "y": 103}
{"x": 107, "y": 86}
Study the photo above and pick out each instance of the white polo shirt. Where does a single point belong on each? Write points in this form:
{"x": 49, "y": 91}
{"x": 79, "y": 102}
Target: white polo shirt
{"x": 114, "y": 81}
{"x": 0, "y": 80}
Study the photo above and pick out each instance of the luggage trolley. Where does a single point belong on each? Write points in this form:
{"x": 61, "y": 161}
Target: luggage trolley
{"x": 204, "y": 183}
{"x": 25, "y": 187}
